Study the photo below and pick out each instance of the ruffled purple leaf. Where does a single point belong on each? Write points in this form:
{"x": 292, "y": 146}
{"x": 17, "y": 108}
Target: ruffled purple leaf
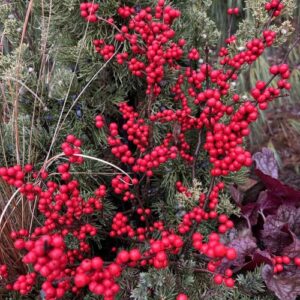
{"x": 285, "y": 285}
{"x": 266, "y": 162}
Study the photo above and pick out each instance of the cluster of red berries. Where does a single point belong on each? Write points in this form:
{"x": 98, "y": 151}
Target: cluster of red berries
{"x": 154, "y": 159}
{"x": 280, "y": 261}
{"x": 159, "y": 249}
{"x": 233, "y": 11}
{"x": 119, "y": 226}
{"x": 213, "y": 198}
{"x": 121, "y": 184}
{"x": 167, "y": 115}
{"x": 118, "y": 148}
{"x": 107, "y": 51}
{"x": 131, "y": 257}
{"x": 48, "y": 257}
{"x": 99, "y": 279}
{"x": 61, "y": 205}
{"x": 230, "y": 40}
{"x": 137, "y": 130}
{"x": 194, "y": 54}
{"x": 223, "y": 143}
{"x": 225, "y": 224}
{"x": 23, "y": 283}
{"x": 63, "y": 170}
{"x": 125, "y": 11}
{"x": 274, "y": 6}
{"x": 88, "y": 11}
{"x": 196, "y": 214}
{"x": 143, "y": 213}
{"x": 254, "y": 50}
{"x": 182, "y": 189}
{"x": 155, "y": 35}
{"x": 99, "y": 121}
{"x": 263, "y": 94}
{"x": 216, "y": 251}
{"x": 14, "y": 176}
{"x": 71, "y": 147}
{"x": 229, "y": 282}
{"x": 282, "y": 69}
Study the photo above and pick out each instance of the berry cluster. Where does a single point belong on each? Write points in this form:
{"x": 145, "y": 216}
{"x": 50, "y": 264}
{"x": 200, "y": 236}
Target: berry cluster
{"x": 194, "y": 54}
{"x": 121, "y": 184}
{"x": 71, "y": 147}
{"x": 119, "y": 226}
{"x": 263, "y": 94}
{"x": 49, "y": 259}
{"x": 224, "y": 142}
{"x": 182, "y": 189}
{"x": 118, "y": 148}
{"x": 88, "y": 11}
{"x": 148, "y": 60}
{"x": 215, "y": 250}
{"x": 99, "y": 279}
{"x": 137, "y": 130}
{"x": 233, "y": 11}
{"x": 143, "y": 213}
{"x": 23, "y": 284}
{"x": 107, "y": 51}
{"x": 280, "y": 261}
{"x": 275, "y": 7}
{"x": 159, "y": 249}
{"x": 159, "y": 155}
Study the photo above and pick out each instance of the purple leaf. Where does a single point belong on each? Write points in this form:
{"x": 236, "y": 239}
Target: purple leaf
{"x": 236, "y": 195}
{"x": 290, "y": 215}
{"x": 250, "y": 213}
{"x": 285, "y": 285}
{"x": 266, "y": 162}
{"x": 293, "y": 250}
{"x": 276, "y": 232}
{"x": 279, "y": 192}
{"x": 274, "y": 237}
{"x": 258, "y": 258}
{"x": 244, "y": 246}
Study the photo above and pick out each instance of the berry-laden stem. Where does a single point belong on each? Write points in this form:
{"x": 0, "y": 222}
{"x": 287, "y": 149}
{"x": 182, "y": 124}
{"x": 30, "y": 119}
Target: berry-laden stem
{"x": 211, "y": 185}
{"x": 194, "y": 227}
{"x": 268, "y": 23}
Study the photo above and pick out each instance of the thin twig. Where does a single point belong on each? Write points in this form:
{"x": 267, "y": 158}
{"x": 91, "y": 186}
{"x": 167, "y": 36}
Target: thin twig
{"x": 211, "y": 185}
{"x": 196, "y": 153}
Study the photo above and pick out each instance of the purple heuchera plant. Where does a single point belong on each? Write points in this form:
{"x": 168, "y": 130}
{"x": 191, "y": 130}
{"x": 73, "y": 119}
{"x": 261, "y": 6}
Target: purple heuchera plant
{"x": 269, "y": 226}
